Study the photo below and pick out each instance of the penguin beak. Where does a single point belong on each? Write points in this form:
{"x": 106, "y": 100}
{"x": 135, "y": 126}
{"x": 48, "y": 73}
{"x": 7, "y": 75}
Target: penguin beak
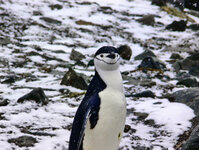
{"x": 111, "y": 55}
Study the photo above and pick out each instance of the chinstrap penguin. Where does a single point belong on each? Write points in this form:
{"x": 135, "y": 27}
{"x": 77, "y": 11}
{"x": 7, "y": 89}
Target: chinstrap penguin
{"x": 100, "y": 119}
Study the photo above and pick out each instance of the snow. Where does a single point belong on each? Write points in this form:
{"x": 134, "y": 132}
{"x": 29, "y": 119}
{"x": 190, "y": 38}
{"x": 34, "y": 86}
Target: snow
{"x": 57, "y": 116}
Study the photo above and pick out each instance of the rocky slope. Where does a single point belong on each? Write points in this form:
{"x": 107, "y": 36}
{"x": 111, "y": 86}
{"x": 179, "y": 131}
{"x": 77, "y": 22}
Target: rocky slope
{"x": 46, "y": 52}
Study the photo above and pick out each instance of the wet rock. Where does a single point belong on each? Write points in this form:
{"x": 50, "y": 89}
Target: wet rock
{"x": 147, "y": 20}
{"x": 71, "y": 78}
{"x": 190, "y": 97}
{"x": 77, "y": 56}
{"x": 23, "y": 141}
{"x": 125, "y": 52}
{"x": 188, "y": 82}
{"x": 51, "y": 20}
{"x": 193, "y": 141}
{"x": 56, "y": 6}
{"x": 159, "y": 2}
{"x": 4, "y": 102}
{"x": 151, "y": 63}
{"x": 146, "y": 53}
{"x": 147, "y": 93}
{"x": 177, "y": 26}
{"x": 36, "y": 95}
{"x": 194, "y": 27}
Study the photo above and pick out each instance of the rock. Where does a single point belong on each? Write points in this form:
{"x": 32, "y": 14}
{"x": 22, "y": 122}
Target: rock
{"x": 147, "y": 93}
{"x": 190, "y": 61}
{"x": 175, "y": 56}
{"x": 36, "y": 95}
{"x": 193, "y": 141}
{"x": 159, "y": 2}
{"x": 5, "y": 41}
{"x": 77, "y": 56}
{"x": 56, "y": 6}
{"x": 51, "y": 20}
{"x": 125, "y": 52}
{"x": 149, "y": 122}
{"x": 23, "y": 141}
{"x": 82, "y": 22}
{"x": 146, "y": 53}
{"x": 192, "y": 4}
{"x": 151, "y": 63}
{"x": 4, "y": 102}
{"x": 188, "y": 82}
{"x": 71, "y": 78}
{"x": 176, "y": 12}
{"x": 194, "y": 27}
{"x": 37, "y": 13}
{"x": 90, "y": 63}
{"x": 140, "y": 115}
{"x": 10, "y": 80}
{"x": 194, "y": 70}
{"x": 147, "y": 20}
{"x": 177, "y": 26}
{"x": 190, "y": 97}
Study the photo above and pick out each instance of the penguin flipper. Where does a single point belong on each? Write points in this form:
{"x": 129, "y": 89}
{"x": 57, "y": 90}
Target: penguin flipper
{"x": 86, "y": 111}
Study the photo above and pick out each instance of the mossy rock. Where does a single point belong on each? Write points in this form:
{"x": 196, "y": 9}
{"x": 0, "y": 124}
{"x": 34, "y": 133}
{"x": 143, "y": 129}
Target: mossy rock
{"x": 178, "y": 13}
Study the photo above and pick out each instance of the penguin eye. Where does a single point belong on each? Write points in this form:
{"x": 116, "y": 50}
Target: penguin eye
{"x": 101, "y": 55}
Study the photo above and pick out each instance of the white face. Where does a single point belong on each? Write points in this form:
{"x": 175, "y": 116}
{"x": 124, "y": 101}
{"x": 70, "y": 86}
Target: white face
{"x": 107, "y": 61}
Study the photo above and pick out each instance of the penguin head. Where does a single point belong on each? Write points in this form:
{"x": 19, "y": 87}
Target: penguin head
{"x": 107, "y": 58}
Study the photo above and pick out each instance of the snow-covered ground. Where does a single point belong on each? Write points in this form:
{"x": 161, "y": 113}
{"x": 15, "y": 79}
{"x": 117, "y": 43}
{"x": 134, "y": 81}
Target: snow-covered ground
{"x": 115, "y": 25}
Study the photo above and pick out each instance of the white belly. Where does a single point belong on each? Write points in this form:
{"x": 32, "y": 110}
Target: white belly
{"x": 107, "y": 133}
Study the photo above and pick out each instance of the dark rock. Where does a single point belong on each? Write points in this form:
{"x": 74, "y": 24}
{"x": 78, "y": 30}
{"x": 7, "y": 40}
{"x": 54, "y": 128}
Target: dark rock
{"x": 192, "y": 4}
{"x": 194, "y": 70}
{"x": 125, "y": 52}
{"x": 193, "y": 141}
{"x": 175, "y": 56}
{"x": 4, "y": 102}
{"x": 147, "y": 20}
{"x": 23, "y": 141}
{"x": 51, "y": 20}
{"x": 145, "y": 54}
{"x": 55, "y": 6}
{"x": 75, "y": 55}
{"x": 10, "y": 80}
{"x": 147, "y": 93}
{"x": 177, "y": 26}
{"x": 71, "y": 78}
{"x": 194, "y": 27}
{"x": 151, "y": 63}
{"x": 190, "y": 61}
{"x": 190, "y": 97}
{"x": 91, "y": 63}
{"x": 37, "y": 13}
{"x": 188, "y": 82}
{"x": 159, "y": 2}
{"x": 127, "y": 128}
{"x": 36, "y": 95}
{"x": 149, "y": 122}
{"x": 140, "y": 115}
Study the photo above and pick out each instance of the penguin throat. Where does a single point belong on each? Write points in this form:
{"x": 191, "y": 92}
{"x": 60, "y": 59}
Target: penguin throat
{"x": 112, "y": 79}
